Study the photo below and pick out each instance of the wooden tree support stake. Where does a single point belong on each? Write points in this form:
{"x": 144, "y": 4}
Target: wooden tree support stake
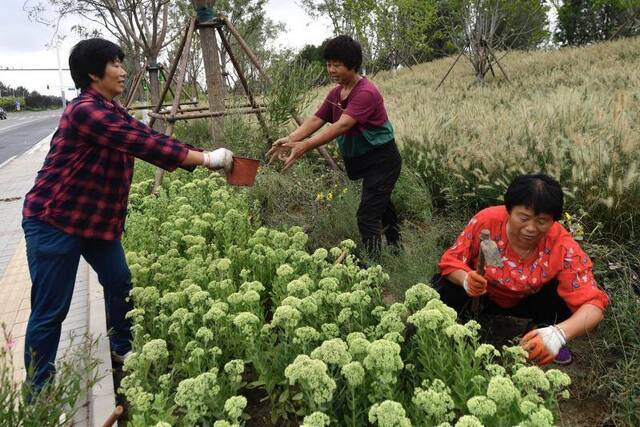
{"x": 182, "y": 70}
{"x": 172, "y": 71}
{"x": 134, "y": 85}
{"x": 188, "y": 94}
{"x": 202, "y": 108}
{"x": 341, "y": 258}
{"x": 115, "y": 415}
{"x": 449, "y": 70}
{"x": 169, "y": 117}
{"x": 179, "y": 64}
{"x": 146, "y": 107}
{"x": 498, "y": 62}
{"x": 245, "y": 48}
{"x": 245, "y": 85}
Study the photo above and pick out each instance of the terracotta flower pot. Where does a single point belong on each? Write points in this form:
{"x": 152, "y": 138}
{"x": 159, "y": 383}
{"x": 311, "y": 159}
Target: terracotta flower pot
{"x": 244, "y": 171}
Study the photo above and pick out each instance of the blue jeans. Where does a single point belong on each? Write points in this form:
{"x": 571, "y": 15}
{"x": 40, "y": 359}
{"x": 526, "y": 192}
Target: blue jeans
{"x": 53, "y": 258}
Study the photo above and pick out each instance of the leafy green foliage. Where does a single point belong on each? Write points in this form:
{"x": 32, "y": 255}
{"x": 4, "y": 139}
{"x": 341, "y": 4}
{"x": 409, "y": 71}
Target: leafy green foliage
{"x": 587, "y": 21}
{"x": 391, "y": 32}
{"x": 288, "y": 94}
{"x": 56, "y": 401}
{"x": 219, "y": 298}
{"x": 617, "y": 351}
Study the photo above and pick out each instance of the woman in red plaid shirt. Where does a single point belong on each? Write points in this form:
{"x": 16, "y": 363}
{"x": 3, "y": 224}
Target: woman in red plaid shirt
{"x": 78, "y": 204}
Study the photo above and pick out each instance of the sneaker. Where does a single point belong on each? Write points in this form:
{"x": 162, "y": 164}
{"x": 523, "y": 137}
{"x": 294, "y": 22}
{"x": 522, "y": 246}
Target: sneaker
{"x": 120, "y": 358}
{"x": 563, "y": 357}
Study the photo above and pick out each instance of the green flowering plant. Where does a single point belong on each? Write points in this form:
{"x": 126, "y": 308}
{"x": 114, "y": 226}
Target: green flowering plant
{"x": 469, "y": 421}
{"x": 311, "y": 376}
{"x": 482, "y": 407}
{"x": 433, "y": 402}
{"x": 354, "y": 374}
{"x": 389, "y": 414}
{"x": 222, "y": 304}
{"x": 333, "y": 352}
{"x": 316, "y": 419}
{"x": 383, "y": 362}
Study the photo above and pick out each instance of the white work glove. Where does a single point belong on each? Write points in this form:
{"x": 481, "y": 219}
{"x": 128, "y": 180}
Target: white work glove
{"x": 544, "y": 344}
{"x": 218, "y": 159}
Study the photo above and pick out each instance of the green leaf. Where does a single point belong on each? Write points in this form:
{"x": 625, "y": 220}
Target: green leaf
{"x": 284, "y": 396}
{"x": 255, "y": 384}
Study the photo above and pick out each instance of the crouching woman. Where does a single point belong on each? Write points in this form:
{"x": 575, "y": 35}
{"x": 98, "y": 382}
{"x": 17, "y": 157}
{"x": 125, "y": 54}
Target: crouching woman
{"x": 546, "y": 277}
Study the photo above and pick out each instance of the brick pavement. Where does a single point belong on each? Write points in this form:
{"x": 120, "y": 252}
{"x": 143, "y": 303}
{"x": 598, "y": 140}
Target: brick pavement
{"x": 16, "y": 178}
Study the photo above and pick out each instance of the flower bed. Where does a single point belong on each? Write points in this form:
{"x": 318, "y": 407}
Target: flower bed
{"x": 223, "y": 306}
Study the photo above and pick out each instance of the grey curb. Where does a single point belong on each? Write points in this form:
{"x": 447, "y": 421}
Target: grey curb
{"x": 102, "y": 398}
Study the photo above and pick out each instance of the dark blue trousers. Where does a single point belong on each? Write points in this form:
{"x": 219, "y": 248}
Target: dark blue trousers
{"x": 53, "y": 258}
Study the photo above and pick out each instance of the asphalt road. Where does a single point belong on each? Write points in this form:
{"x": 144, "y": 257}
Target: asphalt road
{"x": 21, "y": 131}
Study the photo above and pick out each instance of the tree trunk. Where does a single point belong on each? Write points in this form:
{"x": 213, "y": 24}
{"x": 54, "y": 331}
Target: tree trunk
{"x": 154, "y": 88}
{"x": 140, "y": 96}
{"x": 138, "y": 62}
{"x": 213, "y": 73}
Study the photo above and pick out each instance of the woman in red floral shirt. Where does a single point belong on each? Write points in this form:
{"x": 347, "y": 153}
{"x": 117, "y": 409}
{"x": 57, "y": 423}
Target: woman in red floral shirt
{"x": 546, "y": 277}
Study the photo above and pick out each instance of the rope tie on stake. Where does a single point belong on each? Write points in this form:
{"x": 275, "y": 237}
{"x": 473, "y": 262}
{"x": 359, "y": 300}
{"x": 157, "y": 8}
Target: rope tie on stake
{"x": 154, "y": 67}
{"x": 205, "y": 14}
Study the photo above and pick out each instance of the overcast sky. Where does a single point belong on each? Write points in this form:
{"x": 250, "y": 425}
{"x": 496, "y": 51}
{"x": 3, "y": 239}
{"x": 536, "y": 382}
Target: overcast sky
{"x": 23, "y": 44}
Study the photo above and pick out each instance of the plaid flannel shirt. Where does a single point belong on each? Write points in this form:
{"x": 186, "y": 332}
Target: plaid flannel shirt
{"x": 83, "y": 186}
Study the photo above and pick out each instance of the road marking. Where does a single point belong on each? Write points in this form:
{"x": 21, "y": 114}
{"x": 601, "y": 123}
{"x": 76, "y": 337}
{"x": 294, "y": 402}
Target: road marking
{"x": 40, "y": 144}
{"x": 6, "y": 162}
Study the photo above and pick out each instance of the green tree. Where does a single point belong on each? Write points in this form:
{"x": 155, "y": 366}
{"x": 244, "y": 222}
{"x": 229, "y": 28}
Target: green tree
{"x": 391, "y": 32}
{"x": 480, "y": 28}
{"x": 141, "y": 28}
{"x": 504, "y": 24}
{"x": 312, "y": 53}
{"x": 411, "y": 31}
{"x": 586, "y": 21}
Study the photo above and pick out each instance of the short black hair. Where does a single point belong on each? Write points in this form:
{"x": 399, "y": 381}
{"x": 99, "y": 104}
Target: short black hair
{"x": 538, "y": 192}
{"x": 346, "y": 50}
{"x": 91, "y": 57}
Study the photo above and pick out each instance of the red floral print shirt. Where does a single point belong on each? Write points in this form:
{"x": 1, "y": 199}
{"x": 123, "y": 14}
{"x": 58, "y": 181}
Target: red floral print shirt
{"x": 557, "y": 256}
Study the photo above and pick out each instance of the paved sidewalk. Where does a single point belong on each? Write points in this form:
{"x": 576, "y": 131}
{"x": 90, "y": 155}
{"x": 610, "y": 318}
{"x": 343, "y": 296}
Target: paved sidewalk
{"x": 16, "y": 178}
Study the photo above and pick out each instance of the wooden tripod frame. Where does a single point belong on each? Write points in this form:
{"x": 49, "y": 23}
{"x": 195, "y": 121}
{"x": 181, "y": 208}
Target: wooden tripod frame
{"x": 135, "y": 84}
{"x": 491, "y": 57}
{"x": 179, "y": 65}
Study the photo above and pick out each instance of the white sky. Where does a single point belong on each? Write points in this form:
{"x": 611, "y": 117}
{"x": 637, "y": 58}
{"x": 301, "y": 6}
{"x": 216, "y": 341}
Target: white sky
{"x": 23, "y": 44}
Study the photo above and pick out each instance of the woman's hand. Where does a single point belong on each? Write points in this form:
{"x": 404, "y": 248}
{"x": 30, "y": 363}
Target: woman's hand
{"x": 218, "y": 159}
{"x": 474, "y": 284}
{"x": 543, "y": 345}
{"x": 297, "y": 149}
{"x": 278, "y": 150}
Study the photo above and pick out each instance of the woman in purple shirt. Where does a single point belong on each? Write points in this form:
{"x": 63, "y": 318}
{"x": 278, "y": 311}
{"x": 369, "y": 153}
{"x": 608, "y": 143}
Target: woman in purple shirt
{"x": 365, "y": 137}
